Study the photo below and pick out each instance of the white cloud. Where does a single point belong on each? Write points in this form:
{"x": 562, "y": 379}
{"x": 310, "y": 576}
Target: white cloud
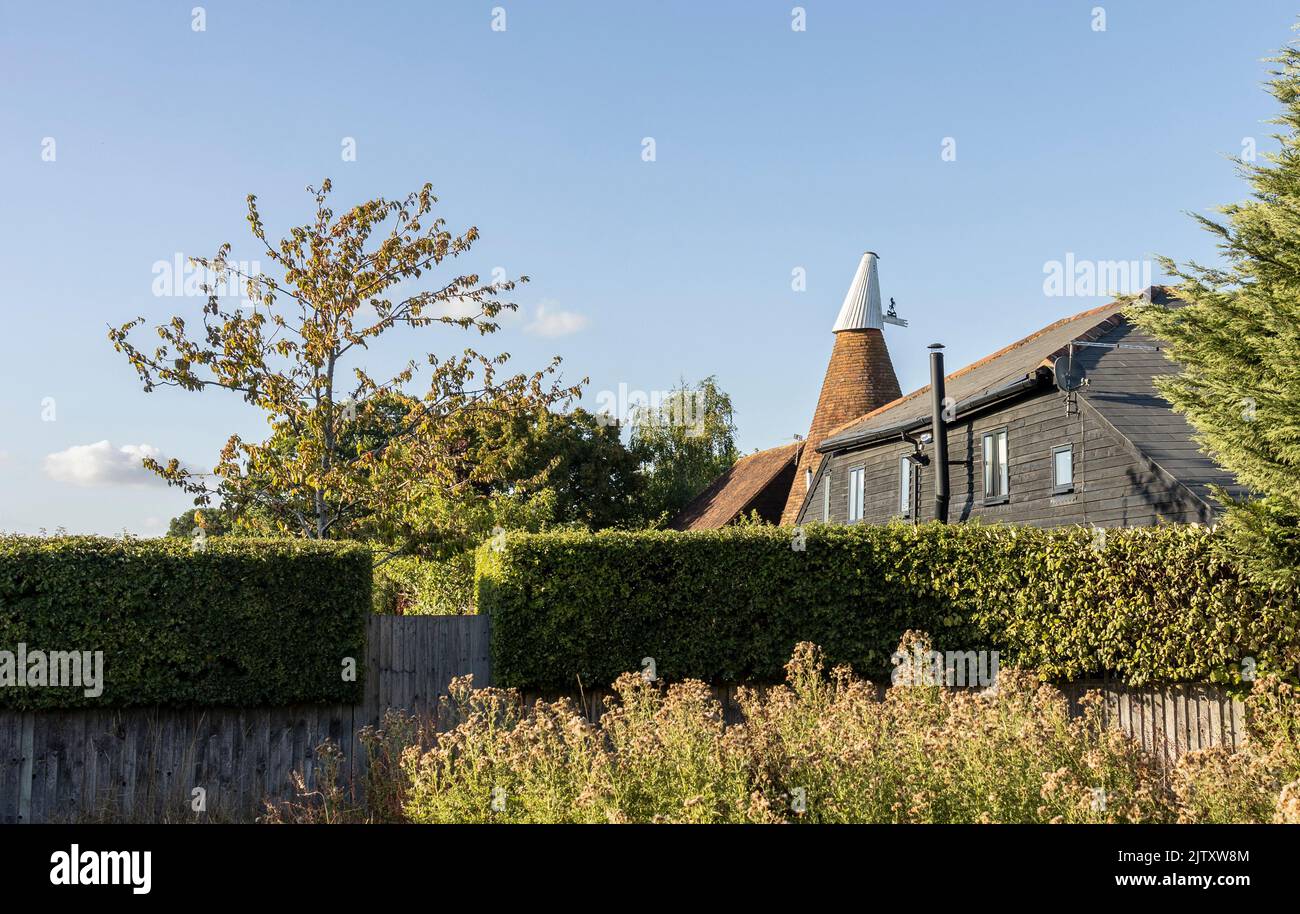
{"x": 455, "y": 308}
{"x": 99, "y": 464}
{"x": 552, "y": 321}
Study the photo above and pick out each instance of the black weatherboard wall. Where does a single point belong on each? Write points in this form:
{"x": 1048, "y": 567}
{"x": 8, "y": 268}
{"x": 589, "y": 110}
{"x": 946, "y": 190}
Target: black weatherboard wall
{"x": 1135, "y": 462}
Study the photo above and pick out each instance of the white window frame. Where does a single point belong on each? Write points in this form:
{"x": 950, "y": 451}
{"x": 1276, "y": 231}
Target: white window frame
{"x": 826, "y": 497}
{"x": 905, "y": 471}
{"x": 996, "y": 455}
{"x": 1059, "y": 487}
{"x": 857, "y": 491}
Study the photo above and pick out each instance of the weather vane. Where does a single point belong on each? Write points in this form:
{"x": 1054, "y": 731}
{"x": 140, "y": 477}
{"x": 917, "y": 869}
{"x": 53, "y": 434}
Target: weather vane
{"x": 891, "y": 316}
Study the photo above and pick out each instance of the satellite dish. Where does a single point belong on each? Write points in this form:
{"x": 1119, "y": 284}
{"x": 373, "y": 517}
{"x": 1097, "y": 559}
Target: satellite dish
{"x": 1069, "y": 373}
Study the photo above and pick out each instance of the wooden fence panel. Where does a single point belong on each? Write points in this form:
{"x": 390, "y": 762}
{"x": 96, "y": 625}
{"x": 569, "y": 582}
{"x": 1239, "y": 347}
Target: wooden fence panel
{"x": 144, "y": 763}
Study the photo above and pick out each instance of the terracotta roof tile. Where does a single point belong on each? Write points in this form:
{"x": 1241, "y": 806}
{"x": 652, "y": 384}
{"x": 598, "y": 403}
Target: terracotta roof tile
{"x": 729, "y": 494}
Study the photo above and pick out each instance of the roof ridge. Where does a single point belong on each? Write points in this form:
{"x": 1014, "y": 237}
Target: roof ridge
{"x": 769, "y": 450}
{"x": 1093, "y": 333}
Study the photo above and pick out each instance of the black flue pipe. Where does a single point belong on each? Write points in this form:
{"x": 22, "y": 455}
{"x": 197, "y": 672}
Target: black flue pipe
{"x": 939, "y": 430}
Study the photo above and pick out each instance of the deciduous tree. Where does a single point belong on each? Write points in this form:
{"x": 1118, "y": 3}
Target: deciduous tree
{"x": 683, "y": 444}
{"x": 345, "y": 444}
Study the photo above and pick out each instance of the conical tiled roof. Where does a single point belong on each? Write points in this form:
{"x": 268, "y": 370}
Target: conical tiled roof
{"x": 859, "y": 378}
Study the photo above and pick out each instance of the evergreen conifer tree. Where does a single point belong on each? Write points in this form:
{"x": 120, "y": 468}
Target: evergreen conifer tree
{"x": 1238, "y": 342}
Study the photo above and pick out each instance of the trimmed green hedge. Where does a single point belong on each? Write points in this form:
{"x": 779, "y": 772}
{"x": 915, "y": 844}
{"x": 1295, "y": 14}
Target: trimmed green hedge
{"x": 424, "y": 587}
{"x": 1147, "y": 605}
{"x": 245, "y": 622}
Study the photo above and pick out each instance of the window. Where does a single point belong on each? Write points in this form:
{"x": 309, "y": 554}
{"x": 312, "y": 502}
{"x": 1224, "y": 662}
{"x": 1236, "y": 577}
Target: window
{"x": 826, "y": 497}
{"x": 856, "y": 486}
{"x": 904, "y": 486}
{"x": 807, "y": 479}
{"x": 995, "y": 466}
{"x": 1063, "y": 469}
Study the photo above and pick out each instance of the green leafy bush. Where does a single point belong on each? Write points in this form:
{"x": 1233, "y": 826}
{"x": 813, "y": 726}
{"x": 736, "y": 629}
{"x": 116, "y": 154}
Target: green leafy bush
{"x": 412, "y": 586}
{"x": 244, "y": 622}
{"x": 1145, "y": 604}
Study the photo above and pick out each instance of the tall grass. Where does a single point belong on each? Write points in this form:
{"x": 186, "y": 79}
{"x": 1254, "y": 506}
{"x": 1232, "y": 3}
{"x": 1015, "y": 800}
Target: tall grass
{"x": 825, "y": 746}
{"x": 1259, "y": 784}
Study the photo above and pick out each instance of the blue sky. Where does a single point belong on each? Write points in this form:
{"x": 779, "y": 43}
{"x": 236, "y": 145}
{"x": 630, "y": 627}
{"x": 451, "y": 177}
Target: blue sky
{"x": 775, "y": 150}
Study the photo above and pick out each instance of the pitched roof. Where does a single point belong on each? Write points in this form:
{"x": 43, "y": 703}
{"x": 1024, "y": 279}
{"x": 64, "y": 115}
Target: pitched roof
{"x": 1003, "y": 368}
{"x": 1121, "y": 388}
{"x": 731, "y": 493}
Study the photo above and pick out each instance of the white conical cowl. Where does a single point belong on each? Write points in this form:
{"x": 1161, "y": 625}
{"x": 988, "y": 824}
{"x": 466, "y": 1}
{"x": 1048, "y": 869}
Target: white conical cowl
{"x": 861, "y": 308}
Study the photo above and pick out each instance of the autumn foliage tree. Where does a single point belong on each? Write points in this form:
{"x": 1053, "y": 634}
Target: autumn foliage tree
{"x": 345, "y": 446}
